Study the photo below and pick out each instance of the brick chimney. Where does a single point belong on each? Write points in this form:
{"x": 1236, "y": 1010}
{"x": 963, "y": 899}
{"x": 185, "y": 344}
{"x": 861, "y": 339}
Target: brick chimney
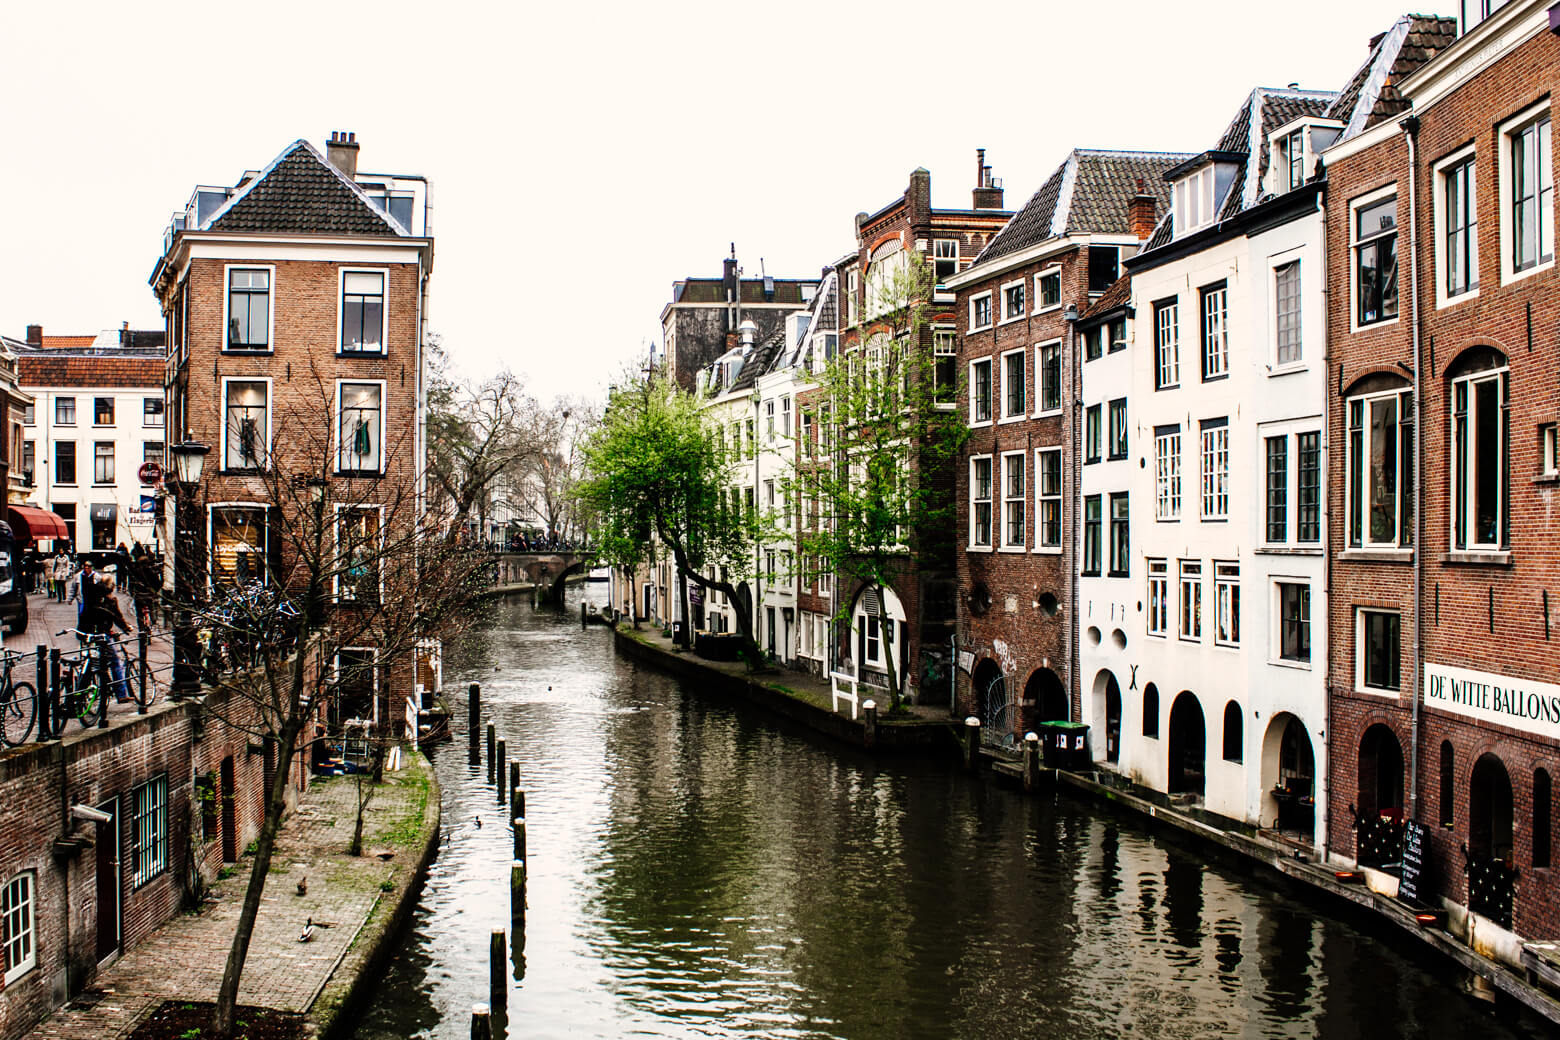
{"x": 342, "y": 151}
{"x": 35, "y": 335}
{"x": 1142, "y": 212}
{"x": 988, "y": 190}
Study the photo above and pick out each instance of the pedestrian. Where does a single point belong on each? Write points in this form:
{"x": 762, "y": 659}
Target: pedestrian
{"x": 101, "y": 619}
{"x": 122, "y": 566}
{"x": 85, "y": 592}
{"x": 143, "y": 585}
{"x": 61, "y": 574}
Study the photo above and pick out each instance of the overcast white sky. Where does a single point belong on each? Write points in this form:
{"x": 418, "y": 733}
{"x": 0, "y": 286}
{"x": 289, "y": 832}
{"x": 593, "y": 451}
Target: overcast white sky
{"x": 584, "y": 156}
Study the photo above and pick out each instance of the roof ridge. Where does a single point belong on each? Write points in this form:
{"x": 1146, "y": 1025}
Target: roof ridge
{"x": 260, "y": 178}
{"x": 1133, "y": 151}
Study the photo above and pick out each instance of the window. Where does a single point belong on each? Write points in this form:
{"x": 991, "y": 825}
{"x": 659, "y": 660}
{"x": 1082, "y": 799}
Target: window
{"x": 1167, "y": 345}
{"x": 1012, "y": 301}
{"x": 945, "y": 361}
{"x": 1014, "y": 494}
{"x": 945, "y": 259}
{"x": 358, "y": 552}
{"x": 1286, "y": 313}
{"x": 1380, "y": 650}
{"x": 980, "y": 311}
{"x": 980, "y": 391}
{"x": 152, "y": 451}
{"x": 1532, "y": 179}
{"x": 1191, "y": 599}
{"x": 1308, "y": 507}
{"x": 1150, "y": 710}
{"x": 1293, "y": 150}
{"x": 1460, "y": 230}
{"x": 246, "y": 432}
{"x": 1048, "y": 289}
{"x": 64, "y": 411}
{"x": 362, "y": 428}
{"x": 785, "y": 416}
{"x": 30, "y": 414}
{"x": 1013, "y": 385}
{"x": 1381, "y": 469}
{"x": 1094, "y": 343}
{"x": 1092, "y": 434}
{"x": 152, "y": 411}
{"x": 1215, "y": 332}
{"x": 1549, "y": 450}
{"x": 249, "y": 309}
{"x": 149, "y": 830}
{"x": 1375, "y": 260}
{"x": 1167, "y": 473}
{"x": 1048, "y": 498}
{"x": 1104, "y": 267}
{"x": 1277, "y": 529}
{"x": 1118, "y": 335}
{"x": 1158, "y": 597}
{"x": 102, "y": 411}
{"x": 769, "y": 420}
{"x": 1120, "y": 536}
{"x": 980, "y": 502}
{"x": 1215, "y": 469}
{"x": 1048, "y": 373}
{"x": 1091, "y": 535}
{"x": 1226, "y": 603}
{"x": 64, "y": 462}
{"x": 363, "y": 312}
{"x": 103, "y": 462}
{"x": 1118, "y": 428}
{"x": 238, "y": 544}
{"x": 29, "y": 458}
{"x": 1192, "y": 201}
{"x": 1293, "y": 494}
{"x": 852, "y": 296}
{"x": 17, "y": 927}
{"x": 1294, "y": 621}
{"x": 1480, "y": 424}
{"x": 1448, "y": 783}
{"x": 1543, "y": 817}
{"x": 1234, "y": 733}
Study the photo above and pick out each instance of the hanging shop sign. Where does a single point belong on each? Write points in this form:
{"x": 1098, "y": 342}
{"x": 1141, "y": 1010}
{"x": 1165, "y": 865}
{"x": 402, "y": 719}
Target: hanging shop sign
{"x": 1502, "y": 700}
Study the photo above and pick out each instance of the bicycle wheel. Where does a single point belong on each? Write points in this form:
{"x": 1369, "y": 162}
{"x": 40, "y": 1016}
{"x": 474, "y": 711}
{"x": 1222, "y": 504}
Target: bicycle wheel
{"x": 145, "y": 695}
{"x": 93, "y": 706}
{"x": 17, "y": 709}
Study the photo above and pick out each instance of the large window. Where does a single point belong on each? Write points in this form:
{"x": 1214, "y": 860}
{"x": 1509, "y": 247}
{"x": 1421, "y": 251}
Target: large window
{"x": 18, "y": 927}
{"x": 1013, "y": 405}
{"x": 1226, "y": 603}
{"x": 363, "y": 312}
{"x": 1459, "y": 228}
{"x": 1048, "y": 369}
{"x": 1048, "y": 498}
{"x": 1215, "y": 469}
{"x": 1191, "y": 600}
{"x": 246, "y": 430}
{"x": 362, "y": 428}
{"x": 1118, "y": 428}
{"x": 102, "y": 411}
{"x": 945, "y": 367}
{"x": 1167, "y": 473}
{"x": 1158, "y": 597}
{"x": 945, "y": 259}
{"x": 103, "y": 462}
{"x": 1480, "y": 460}
{"x": 149, "y": 830}
{"x": 1093, "y": 433}
{"x": 1294, "y": 621}
{"x": 238, "y": 544}
{"x": 1012, "y": 301}
{"x": 980, "y": 312}
{"x": 152, "y": 411}
{"x": 1380, "y": 644}
{"x": 1215, "y": 332}
{"x": 980, "y": 391}
{"x": 1167, "y": 344}
{"x": 1293, "y": 488}
{"x": 1532, "y": 179}
{"x": 1277, "y": 495}
{"x": 1048, "y": 289}
{"x": 358, "y": 545}
{"x": 64, "y": 462}
{"x": 980, "y": 502}
{"x": 1375, "y": 260}
{"x": 1381, "y": 469}
{"x": 1014, "y": 494}
{"x": 1091, "y": 534}
{"x": 1120, "y": 536}
{"x": 1286, "y": 311}
{"x": 64, "y": 411}
{"x": 1104, "y": 267}
{"x": 249, "y": 309}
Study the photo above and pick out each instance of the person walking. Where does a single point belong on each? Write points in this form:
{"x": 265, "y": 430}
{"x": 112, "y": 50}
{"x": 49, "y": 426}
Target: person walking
{"x": 61, "y": 575}
{"x": 100, "y": 619}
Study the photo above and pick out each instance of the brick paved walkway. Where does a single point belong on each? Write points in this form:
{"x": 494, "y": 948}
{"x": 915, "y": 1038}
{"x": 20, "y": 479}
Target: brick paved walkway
{"x": 184, "y": 959}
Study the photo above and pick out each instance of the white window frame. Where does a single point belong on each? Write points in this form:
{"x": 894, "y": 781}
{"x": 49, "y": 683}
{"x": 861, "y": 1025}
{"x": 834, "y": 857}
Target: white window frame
{"x": 270, "y": 332}
{"x": 1276, "y": 636}
{"x": 852, "y": 296}
{"x": 991, "y": 390}
{"x": 945, "y": 344}
{"x": 1277, "y": 263}
{"x": 384, "y": 316}
{"x": 1009, "y": 500}
{"x": 1158, "y": 623}
{"x": 1196, "y": 187}
{"x": 988, "y": 501}
{"x": 149, "y": 830}
{"x": 1214, "y": 365}
{"x": 379, "y": 525}
{"x": 19, "y": 924}
{"x": 1290, "y": 433}
{"x": 1549, "y": 450}
{"x": 1215, "y": 472}
{"x": 1039, "y": 306}
{"x": 785, "y": 417}
{"x": 270, "y": 422}
{"x": 1501, "y": 378}
{"x": 1167, "y": 474}
{"x": 1002, "y": 293}
{"x": 940, "y": 254}
{"x": 211, "y": 546}
{"x": 1439, "y": 171}
{"x": 1023, "y": 411}
{"x": 1167, "y": 343}
{"x": 384, "y": 406}
{"x": 1189, "y": 606}
{"x": 1360, "y": 651}
{"x": 990, "y": 311}
{"x": 1226, "y": 603}
{"x": 373, "y": 652}
{"x": 1370, "y": 198}
{"x": 1402, "y": 395}
{"x": 1042, "y": 499}
{"x": 163, "y": 415}
{"x": 769, "y": 421}
{"x": 1507, "y": 131}
{"x": 1040, "y": 369}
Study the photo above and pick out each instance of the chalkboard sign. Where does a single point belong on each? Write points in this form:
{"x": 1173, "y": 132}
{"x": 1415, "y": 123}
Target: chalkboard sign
{"x": 1416, "y": 856}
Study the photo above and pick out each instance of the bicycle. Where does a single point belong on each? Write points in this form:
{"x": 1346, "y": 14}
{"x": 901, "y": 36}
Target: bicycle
{"x": 18, "y": 704}
{"x": 84, "y": 676}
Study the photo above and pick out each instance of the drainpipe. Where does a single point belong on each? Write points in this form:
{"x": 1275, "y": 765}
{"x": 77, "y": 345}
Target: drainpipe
{"x": 1323, "y": 831}
{"x": 1070, "y": 629}
{"x": 1411, "y": 135}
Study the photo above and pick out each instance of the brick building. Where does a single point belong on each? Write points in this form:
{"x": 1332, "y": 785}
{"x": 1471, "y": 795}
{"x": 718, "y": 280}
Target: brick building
{"x": 295, "y": 305}
{"x": 1010, "y": 326}
{"x": 1445, "y": 707}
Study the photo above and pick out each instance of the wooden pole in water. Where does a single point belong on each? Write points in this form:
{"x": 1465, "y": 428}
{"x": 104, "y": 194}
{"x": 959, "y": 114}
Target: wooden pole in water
{"x": 481, "y": 1022}
{"x": 503, "y": 754}
{"x": 869, "y": 711}
{"x": 498, "y": 984}
{"x": 514, "y": 786}
{"x": 517, "y": 897}
{"x": 517, "y": 803}
{"x": 490, "y": 737}
{"x": 972, "y": 743}
{"x": 474, "y": 721}
{"x": 519, "y": 823}
{"x": 1031, "y": 761}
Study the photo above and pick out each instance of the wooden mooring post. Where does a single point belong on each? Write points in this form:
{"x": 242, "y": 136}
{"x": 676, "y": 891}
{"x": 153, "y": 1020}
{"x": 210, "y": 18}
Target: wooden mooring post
{"x": 498, "y": 978}
{"x": 1031, "y": 761}
{"x": 514, "y": 787}
{"x": 491, "y": 735}
{"x": 971, "y": 743}
{"x": 503, "y": 754}
{"x": 474, "y": 722}
{"x": 481, "y": 1022}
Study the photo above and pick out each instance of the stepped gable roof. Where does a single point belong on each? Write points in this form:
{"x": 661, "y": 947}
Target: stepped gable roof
{"x": 1087, "y": 193}
{"x": 1371, "y": 94}
{"x": 301, "y": 192}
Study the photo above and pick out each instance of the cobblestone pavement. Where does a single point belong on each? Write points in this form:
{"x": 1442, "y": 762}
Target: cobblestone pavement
{"x": 184, "y": 959}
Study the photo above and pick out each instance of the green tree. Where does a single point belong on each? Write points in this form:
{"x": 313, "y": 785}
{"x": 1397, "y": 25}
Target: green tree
{"x": 887, "y": 443}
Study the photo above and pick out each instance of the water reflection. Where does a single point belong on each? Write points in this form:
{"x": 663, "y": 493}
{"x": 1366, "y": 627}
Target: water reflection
{"x": 697, "y": 870}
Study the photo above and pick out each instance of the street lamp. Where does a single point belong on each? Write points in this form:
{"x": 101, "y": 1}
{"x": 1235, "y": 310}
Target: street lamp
{"x": 189, "y": 460}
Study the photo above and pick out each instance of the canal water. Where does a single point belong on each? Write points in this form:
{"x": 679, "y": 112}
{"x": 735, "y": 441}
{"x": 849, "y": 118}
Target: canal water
{"x": 699, "y": 870}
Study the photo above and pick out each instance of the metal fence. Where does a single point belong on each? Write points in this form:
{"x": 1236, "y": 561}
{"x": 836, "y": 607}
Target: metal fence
{"x": 43, "y": 692}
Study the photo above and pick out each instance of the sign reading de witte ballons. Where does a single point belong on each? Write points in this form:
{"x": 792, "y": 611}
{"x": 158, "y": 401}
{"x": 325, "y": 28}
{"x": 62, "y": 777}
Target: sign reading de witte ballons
{"x": 1416, "y": 849}
{"x": 1533, "y": 707}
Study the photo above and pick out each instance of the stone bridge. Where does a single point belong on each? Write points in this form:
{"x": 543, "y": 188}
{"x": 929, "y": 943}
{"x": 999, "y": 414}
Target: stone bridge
{"x": 545, "y": 570}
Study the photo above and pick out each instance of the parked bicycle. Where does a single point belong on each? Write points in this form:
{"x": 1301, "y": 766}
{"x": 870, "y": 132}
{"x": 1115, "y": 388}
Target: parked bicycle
{"x": 85, "y": 678}
{"x": 18, "y": 703}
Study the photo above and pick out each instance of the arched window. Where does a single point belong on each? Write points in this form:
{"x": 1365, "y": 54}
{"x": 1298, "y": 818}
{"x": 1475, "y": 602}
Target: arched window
{"x": 1480, "y": 450}
{"x": 1542, "y": 821}
{"x": 1150, "y": 710}
{"x": 1448, "y": 792}
{"x": 18, "y": 948}
{"x": 1234, "y": 733}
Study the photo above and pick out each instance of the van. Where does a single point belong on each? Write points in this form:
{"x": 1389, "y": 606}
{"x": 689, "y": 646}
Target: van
{"x": 13, "y": 601}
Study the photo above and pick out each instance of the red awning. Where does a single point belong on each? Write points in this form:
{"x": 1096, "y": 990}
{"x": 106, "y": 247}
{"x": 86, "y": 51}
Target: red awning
{"x": 32, "y": 525}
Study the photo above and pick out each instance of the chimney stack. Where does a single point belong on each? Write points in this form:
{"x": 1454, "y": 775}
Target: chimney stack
{"x": 342, "y": 151}
{"x": 35, "y": 335}
{"x": 1142, "y": 213}
{"x": 988, "y": 190}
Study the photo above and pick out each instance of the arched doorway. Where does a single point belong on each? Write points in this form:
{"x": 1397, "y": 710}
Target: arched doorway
{"x": 1188, "y": 745}
{"x": 992, "y": 705}
{"x": 879, "y": 635}
{"x": 1107, "y": 707}
{"x": 1490, "y": 810}
{"x": 1045, "y": 700}
{"x": 1289, "y": 775}
{"x": 1381, "y": 773}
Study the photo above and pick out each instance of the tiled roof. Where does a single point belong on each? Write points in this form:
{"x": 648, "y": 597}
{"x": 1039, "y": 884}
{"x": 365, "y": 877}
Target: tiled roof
{"x": 68, "y": 342}
{"x": 41, "y": 370}
{"x": 713, "y": 290}
{"x": 1276, "y": 107}
{"x": 1088, "y": 193}
{"x": 758, "y": 362}
{"x": 301, "y": 192}
{"x": 1371, "y": 94}
{"x": 1118, "y": 295}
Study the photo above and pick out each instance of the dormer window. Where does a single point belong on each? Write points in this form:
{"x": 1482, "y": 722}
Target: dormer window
{"x": 1194, "y": 201}
{"x": 1292, "y": 154}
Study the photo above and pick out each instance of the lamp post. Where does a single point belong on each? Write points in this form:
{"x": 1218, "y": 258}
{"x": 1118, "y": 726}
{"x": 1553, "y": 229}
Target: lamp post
{"x": 189, "y": 460}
